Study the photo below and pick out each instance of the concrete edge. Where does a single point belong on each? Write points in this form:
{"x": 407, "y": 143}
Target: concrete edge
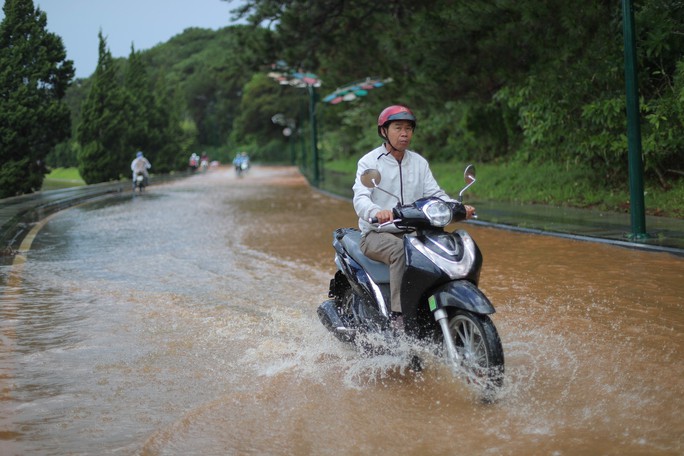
{"x": 583, "y": 238}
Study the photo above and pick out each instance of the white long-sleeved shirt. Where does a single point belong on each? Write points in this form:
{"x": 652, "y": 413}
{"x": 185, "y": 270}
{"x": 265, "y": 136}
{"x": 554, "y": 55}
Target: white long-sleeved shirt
{"x": 140, "y": 164}
{"x": 409, "y": 180}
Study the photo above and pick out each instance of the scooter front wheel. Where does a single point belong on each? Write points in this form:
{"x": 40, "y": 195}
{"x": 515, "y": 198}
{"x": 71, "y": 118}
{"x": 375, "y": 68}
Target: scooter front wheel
{"x": 480, "y": 354}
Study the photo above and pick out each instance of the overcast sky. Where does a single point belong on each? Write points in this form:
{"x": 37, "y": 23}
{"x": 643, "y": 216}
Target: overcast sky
{"x": 145, "y": 23}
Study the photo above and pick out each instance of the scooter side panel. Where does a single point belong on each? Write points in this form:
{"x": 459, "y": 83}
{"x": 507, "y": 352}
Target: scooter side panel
{"x": 361, "y": 283}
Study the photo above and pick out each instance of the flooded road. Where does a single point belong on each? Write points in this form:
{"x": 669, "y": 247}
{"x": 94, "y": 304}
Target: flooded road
{"x": 183, "y": 322}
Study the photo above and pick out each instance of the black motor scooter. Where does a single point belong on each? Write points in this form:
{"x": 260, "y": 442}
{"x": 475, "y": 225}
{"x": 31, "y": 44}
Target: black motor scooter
{"x": 442, "y": 302}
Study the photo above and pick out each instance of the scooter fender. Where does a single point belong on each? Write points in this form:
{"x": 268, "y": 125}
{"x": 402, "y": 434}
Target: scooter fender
{"x": 462, "y": 295}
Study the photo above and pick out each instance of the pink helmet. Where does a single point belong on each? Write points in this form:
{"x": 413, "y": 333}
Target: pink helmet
{"x": 392, "y": 113}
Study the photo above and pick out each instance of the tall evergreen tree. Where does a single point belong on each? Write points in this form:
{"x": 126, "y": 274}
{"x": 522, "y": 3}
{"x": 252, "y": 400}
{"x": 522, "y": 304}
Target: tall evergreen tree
{"x": 170, "y": 150}
{"x": 154, "y": 122}
{"x": 140, "y": 101}
{"x": 34, "y": 75}
{"x": 104, "y": 124}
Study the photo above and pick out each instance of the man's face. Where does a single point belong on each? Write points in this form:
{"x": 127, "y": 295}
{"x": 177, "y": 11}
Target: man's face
{"x": 399, "y": 134}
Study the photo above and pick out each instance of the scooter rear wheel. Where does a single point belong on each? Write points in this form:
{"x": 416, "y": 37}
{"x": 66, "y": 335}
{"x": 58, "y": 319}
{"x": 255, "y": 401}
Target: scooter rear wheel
{"x": 479, "y": 348}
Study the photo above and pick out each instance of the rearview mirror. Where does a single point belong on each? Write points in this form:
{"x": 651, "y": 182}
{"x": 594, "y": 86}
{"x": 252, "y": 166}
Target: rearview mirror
{"x": 469, "y": 174}
{"x": 370, "y": 178}
{"x": 469, "y": 177}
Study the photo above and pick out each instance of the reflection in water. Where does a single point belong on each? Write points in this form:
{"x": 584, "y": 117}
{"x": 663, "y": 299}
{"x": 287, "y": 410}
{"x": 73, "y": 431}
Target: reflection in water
{"x": 183, "y": 322}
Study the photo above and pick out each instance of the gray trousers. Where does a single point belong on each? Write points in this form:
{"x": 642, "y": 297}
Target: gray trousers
{"x": 389, "y": 249}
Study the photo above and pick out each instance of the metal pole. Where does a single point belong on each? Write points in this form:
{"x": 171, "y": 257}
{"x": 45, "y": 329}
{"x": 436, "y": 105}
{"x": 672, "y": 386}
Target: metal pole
{"x": 314, "y": 133}
{"x": 636, "y": 167}
{"x": 303, "y": 166}
{"x": 310, "y": 81}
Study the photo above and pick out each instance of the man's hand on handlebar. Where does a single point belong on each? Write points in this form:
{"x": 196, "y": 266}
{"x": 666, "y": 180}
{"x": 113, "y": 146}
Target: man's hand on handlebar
{"x": 384, "y": 216}
{"x": 470, "y": 212}
{"x": 387, "y": 216}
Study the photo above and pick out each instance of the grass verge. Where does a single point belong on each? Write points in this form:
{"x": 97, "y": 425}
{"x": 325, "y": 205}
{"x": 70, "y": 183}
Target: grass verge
{"x": 62, "y": 178}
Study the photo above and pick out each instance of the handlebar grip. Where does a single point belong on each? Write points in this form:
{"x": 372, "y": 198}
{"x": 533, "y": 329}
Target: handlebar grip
{"x": 373, "y": 220}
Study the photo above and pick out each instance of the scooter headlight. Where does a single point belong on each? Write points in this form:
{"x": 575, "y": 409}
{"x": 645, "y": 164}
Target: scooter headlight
{"x": 438, "y": 212}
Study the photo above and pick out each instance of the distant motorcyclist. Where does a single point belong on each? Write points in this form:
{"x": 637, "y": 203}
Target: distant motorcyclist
{"x": 204, "y": 162}
{"x": 194, "y": 162}
{"x": 241, "y": 162}
{"x": 140, "y": 165}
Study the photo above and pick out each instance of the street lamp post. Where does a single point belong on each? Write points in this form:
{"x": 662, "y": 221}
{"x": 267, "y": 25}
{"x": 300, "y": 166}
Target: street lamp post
{"x": 314, "y": 133}
{"x": 285, "y": 76}
{"x": 289, "y": 131}
{"x": 636, "y": 167}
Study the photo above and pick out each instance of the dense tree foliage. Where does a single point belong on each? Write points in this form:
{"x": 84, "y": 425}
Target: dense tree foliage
{"x": 104, "y": 154}
{"x": 511, "y": 80}
{"x": 140, "y": 107}
{"x": 155, "y": 126}
{"x": 210, "y": 70}
{"x": 171, "y": 144}
{"x": 125, "y": 111}
{"x": 34, "y": 75}
{"x": 531, "y": 79}
{"x": 65, "y": 153}
{"x": 255, "y": 128}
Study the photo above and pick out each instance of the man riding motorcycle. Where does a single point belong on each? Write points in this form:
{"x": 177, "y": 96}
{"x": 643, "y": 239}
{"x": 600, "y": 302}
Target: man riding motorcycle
{"x": 140, "y": 165}
{"x": 406, "y": 174}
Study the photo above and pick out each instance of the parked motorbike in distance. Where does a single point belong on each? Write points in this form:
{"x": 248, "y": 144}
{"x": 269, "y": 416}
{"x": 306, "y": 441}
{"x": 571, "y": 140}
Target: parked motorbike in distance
{"x": 443, "y": 306}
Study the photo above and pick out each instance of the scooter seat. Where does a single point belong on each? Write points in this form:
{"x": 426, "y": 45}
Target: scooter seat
{"x": 377, "y": 270}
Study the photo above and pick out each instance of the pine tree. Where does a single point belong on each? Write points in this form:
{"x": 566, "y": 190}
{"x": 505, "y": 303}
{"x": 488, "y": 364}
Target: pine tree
{"x": 155, "y": 125}
{"x": 140, "y": 101}
{"x": 104, "y": 125}
{"x": 165, "y": 122}
{"x": 34, "y": 76}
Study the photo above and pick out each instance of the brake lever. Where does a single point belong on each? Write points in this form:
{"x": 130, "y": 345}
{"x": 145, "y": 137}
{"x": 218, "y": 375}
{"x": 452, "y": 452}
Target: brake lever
{"x": 390, "y": 222}
{"x": 374, "y": 221}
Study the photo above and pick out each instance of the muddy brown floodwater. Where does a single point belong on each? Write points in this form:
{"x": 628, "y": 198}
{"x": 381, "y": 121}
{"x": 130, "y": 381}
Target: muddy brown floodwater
{"x": 184, "y": 322}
